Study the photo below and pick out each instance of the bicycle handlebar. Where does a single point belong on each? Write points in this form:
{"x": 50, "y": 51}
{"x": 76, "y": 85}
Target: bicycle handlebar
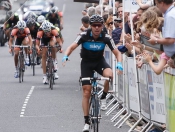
{"x": 95, "y": 78}
{"x": 20, "y": 46}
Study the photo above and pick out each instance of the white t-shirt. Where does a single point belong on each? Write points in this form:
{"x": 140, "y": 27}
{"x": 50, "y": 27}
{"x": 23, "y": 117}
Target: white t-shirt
{"x": 150, "y": 2}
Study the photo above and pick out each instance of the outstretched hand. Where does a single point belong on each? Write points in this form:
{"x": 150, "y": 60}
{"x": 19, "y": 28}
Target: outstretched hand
{"x": 64, "y": 59}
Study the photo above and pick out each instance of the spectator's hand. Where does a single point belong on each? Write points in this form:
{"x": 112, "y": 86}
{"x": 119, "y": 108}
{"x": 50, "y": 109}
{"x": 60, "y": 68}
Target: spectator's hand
{"x": 128, "y": 38}
{"x": 129, "y": 47}
{"x": 137, "y": 44}
{"x": 152, "y": 40}
{"x": 171, "y": 63}
{"x": 119, "y": 68}
{"x": 147, "y": 57}
{"x": 64, "y": 59}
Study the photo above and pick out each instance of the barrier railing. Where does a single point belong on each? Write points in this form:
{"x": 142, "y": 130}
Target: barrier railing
{"x": 152, "y": 102}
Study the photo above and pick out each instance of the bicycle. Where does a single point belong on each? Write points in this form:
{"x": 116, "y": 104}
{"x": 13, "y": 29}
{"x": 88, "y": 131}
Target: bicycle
{"x": 50, "y": 64}
{"x": 33, "y": 57}
{"x": 21, "y": 60}
{"x": 94, "y": 107}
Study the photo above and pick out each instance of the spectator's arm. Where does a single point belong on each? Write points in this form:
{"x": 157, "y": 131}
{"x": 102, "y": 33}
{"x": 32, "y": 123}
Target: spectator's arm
{"x": 143, "y": 6}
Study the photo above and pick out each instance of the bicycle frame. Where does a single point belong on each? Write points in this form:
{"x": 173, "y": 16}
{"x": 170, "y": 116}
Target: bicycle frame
{"x": 94, "y": 106}
{"x": 21, "y": 66}
{"x": 50, "y": 65}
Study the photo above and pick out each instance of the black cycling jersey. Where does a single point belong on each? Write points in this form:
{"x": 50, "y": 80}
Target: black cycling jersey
{"x": 54, "y": 20}
{"x": 35, "y": 30}
{"x": 12, "y": 22}
{"x": 94, "y": 49}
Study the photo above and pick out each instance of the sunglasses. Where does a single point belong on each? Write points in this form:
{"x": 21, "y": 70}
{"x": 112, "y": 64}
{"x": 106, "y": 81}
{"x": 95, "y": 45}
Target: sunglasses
{"x": 96, "y": 25}
{"x": 111, "y": 23}
{"x": 118, "y": 21}
{"x": 21, "y": 29}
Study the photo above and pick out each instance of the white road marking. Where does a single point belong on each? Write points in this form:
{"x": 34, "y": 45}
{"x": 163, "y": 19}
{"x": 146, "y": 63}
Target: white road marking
{"x": 64, "y": 8}
{"x": 26, "y": 101}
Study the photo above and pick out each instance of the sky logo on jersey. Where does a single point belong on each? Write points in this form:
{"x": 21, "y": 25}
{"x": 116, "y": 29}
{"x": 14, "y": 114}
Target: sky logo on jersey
{"x": 94, "y": 46}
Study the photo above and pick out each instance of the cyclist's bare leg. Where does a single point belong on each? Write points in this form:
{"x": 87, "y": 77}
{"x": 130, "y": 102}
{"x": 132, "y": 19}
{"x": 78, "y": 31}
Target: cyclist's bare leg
{"x": 107, "y": 73}
{"x": 86, "y": 97}
{"x": 44, "y": 56}
{"x": 26, "y": 42}
{"x": 16, "y": 51}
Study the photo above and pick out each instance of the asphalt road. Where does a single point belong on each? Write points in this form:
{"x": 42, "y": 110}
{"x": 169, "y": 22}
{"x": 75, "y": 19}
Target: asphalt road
{"x": 31, "y": 106}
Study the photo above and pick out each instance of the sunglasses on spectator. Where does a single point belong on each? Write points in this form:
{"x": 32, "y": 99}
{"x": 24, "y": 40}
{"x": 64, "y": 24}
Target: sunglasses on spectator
{"x": 111, "y": 23}
{"x": 96, "y": 25}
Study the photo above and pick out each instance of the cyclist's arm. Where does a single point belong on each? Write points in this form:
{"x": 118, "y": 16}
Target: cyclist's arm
{"x": 38, "y": 38}
{"x": 5, "y": 25}
{"x": 57, "y": 36}
{"x": 10, "y": 42}
{"x": 71, "y": 48}
{"x": 30, "y": 40}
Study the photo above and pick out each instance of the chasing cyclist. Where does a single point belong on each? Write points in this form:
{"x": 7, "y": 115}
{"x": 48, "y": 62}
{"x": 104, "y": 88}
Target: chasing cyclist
{"x": 93, "y": 43}
{"x": 33, "y": 27}
{"x": 20, "y": 32}
{"x": 11, "y": 21}
{"x": 47, "y": 34}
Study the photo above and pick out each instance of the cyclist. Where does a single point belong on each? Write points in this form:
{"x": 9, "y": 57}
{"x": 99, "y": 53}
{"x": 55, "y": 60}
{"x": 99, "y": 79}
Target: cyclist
{"x": 11, "y": 21}
{"x": 55, "y": 17}
{"x": 93, "y": 42}
{"x": 47, "y": 34}
{"x": 20, "y": 32}
{"x": 33, "y": 27}
{"x": 41, "y": 19}
{"x": 28, "y": 15}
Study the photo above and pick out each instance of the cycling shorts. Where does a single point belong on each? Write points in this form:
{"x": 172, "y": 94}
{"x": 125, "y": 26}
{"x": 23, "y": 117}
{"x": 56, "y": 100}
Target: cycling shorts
{"x": 88, "y": 67}
{"x": 45, "y": 41}
{"x": 19, "y": 41}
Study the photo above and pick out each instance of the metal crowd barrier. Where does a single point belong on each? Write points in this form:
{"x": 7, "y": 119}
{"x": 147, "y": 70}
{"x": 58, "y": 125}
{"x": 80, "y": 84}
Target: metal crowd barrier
{"x": 143, "y": 95}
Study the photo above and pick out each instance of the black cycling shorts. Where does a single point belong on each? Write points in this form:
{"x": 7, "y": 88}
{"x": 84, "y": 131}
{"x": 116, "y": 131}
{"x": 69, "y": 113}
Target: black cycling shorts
{"x": 19, "y": 41}
{"x": 45, "y": 41}
{"x": 88, "y": 68}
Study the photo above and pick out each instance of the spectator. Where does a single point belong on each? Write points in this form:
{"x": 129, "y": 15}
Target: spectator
{"x": 116, "y": 33}
{"x": 168, "y": 40}
{"x": 148, "y": 4}
{"x": 109, "y": 25}
{"x": 85, "y": 23}
{"x": 91, "y": 11}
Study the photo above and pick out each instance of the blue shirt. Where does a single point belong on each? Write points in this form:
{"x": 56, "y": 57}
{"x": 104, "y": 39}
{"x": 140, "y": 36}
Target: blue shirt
{"x": 116, "y": 33}
{"x": 168, "y": 30}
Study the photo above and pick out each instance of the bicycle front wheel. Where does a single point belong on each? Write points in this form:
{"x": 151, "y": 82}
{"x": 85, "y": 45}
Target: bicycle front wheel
{"x": 94, "y": 113}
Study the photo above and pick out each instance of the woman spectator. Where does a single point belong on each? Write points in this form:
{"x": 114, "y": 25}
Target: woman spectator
{"x": 109, "y": 25}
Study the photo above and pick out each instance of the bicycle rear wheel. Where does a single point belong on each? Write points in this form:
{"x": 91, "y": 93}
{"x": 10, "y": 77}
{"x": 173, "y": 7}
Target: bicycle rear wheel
{"x": 94, "y": 113}
{"x": 33, "y": 60}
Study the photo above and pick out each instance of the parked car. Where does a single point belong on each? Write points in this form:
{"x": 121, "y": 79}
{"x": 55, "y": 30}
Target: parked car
{"x": 37, "y": 6}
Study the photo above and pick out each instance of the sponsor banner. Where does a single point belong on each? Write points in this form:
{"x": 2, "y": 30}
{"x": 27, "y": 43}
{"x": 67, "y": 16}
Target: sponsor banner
{"x": 156, "y": 95}
{"x": 144, "y": 94}
{"x": 132, "y": 5}
{"x": 133, "y": 89}
{"x": 169, "y": 81}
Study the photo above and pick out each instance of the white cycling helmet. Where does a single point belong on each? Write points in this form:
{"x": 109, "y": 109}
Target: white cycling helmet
{"x": 54, "y": 9}
{"x": 21, "y": 24}
{"x": 46, "y": 26}
{"x": 41, "y": 19}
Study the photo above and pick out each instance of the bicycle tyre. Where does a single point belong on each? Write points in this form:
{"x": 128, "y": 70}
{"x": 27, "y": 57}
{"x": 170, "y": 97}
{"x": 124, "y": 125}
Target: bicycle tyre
{"x": 19, "y": 68}
{"x": 22, "y": 68}
{"x": 94, "y": 112}
{"x": 33, "y": 61}
{"x": 51, "y": 81}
